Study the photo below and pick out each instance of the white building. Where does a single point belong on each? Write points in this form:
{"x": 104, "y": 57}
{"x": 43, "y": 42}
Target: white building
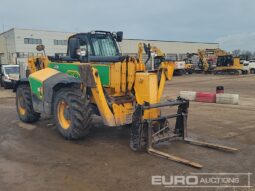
{"x": 17, "y": 44}
{"x": 168, "y": 47}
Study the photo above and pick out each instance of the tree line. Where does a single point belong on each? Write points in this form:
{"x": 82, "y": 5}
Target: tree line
{"x": 244, "y": 54}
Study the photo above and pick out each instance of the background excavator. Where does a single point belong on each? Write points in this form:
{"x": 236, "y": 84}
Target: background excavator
{"x": 218, "y": 61}
{"x": 94, "y": 78}
{"x": 208, "y": 59}
{"x": 228, "y": 64}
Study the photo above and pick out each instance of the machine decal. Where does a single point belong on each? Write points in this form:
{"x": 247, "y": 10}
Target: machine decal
{"x": 36, "y": 86}
{"x": 73, "y": 70}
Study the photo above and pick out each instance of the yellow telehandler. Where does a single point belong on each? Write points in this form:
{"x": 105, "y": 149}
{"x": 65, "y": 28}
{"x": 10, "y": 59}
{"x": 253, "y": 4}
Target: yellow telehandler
{"x": 95, "y": 78}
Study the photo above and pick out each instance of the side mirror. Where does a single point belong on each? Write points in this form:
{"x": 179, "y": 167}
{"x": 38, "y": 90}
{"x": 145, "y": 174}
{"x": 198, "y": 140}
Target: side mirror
{"x": 119, "y": 36}
{"x": 73, "y": 46}
{"x": 40, "y": 47}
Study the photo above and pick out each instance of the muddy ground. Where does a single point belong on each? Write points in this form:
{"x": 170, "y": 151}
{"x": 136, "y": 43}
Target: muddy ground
{"x": 36, "y": 157}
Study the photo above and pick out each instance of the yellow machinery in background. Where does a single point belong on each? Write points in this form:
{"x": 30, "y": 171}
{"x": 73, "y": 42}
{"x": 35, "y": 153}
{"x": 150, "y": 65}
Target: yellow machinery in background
{"x": 189, "y": 68}
{"x": 218, "y": 61}
{"x": 94, "y": 78}
{"x": 189, "y": 65}
{"x": 227, "y": 64}
{"x": 208, "y": 58}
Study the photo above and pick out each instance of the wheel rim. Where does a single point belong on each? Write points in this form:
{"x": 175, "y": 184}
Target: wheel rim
{"x": 64, "y": 114}
{"x": 21, "y": 105}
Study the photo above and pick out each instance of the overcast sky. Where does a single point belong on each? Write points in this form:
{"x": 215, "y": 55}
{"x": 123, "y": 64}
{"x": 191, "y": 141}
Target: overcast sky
{"x": 229, "y": 22}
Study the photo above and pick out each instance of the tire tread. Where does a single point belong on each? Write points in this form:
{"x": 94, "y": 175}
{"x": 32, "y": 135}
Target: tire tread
{"x": 81, "y": 113}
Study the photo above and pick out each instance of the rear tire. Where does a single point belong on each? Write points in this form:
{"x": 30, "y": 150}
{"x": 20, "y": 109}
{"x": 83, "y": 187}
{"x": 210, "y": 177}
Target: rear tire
{"x": 72, "y": 113}
{"x": 24, "y": 105}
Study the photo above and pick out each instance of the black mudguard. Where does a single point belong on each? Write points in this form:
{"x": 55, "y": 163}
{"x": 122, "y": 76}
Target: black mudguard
{"x": 52, "y": 85}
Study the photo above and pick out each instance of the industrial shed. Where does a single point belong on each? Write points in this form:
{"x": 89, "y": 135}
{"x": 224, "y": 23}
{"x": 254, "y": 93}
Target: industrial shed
{"x": 17, "y": 44}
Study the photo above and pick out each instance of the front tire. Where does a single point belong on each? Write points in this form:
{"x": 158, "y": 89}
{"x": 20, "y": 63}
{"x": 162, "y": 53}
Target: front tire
{"x": 24, "y": 105}
{"x": 72, "y": 113}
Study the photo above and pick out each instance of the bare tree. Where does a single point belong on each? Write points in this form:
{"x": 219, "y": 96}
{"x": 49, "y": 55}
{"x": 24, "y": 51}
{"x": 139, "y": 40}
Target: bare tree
{"x": 246, "y": 55}
{"x": 253, "y": 55}
{"x": 236, "y": 52}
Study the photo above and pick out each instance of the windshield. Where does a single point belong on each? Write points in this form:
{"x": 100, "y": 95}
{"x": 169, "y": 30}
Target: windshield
{"x": 104, "y": 45}
{"x": 225, "y": 61}
{"x": 11, "y": 70}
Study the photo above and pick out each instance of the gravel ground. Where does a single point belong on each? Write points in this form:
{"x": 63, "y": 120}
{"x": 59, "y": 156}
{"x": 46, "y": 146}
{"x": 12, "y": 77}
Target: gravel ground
{"x": 36, "y": 157}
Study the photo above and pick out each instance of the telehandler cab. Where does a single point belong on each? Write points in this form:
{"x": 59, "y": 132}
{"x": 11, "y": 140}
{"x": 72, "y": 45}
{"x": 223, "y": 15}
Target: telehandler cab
{"x": 94, "y": 78}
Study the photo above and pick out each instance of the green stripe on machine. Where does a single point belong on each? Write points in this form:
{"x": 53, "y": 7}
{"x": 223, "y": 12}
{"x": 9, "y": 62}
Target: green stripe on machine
{"x": 104, "y": 73}
{"x": 35, "y": 87}
{"x": 73, "y": 70}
